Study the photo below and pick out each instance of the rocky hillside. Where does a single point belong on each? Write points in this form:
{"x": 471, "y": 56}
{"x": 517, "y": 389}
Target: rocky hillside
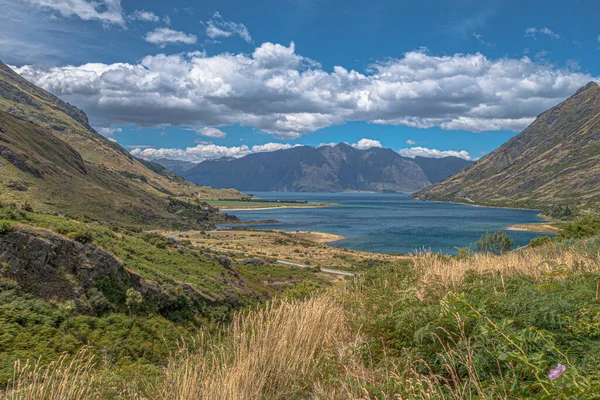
{"x": 53, "y": 159}
{"x": 556, "y": 160}
{"x": 324, "y": 169}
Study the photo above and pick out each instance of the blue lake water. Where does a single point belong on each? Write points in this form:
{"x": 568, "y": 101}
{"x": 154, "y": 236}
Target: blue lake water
{"x": 391, "y": 223}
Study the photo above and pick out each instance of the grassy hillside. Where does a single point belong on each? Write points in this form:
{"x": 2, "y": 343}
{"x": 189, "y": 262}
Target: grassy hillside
{"x": 53, "y": 159}
{"x": 474, "y": 326}
{"x": 65, "y": 284}
{"x": 556, "y": 160}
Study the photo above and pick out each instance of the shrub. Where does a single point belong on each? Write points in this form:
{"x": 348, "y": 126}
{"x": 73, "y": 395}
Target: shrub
{"x": 540, "y": 241}
{"x": 84, "y": 237}
{"x": 583, "y": 227}
{"x": 495, "y": 243}
{"x": 5, "y": 227}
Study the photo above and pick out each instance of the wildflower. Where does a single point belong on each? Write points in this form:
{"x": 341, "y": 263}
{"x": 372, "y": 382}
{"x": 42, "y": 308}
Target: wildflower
{"x": 556, "y": 372}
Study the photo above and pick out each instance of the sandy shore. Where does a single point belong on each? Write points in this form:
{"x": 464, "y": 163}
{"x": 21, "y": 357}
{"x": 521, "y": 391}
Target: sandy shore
{"x": 318, "y": 237}
{"x": 541, "y": 227}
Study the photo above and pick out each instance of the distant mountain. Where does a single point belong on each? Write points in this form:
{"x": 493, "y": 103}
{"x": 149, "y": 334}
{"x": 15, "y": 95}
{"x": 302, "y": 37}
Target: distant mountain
{"x": 53, "y": 159}
{"x": 324, "y": 169}
{"x": 556, "y": 160}
{"x": 176, "y": 166}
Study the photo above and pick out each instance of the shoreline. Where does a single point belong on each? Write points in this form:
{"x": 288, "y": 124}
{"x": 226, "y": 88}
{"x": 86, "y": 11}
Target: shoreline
{"x": 541, "y": 227}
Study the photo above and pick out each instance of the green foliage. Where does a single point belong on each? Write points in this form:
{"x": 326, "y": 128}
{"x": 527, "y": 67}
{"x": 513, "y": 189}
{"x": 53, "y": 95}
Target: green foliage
{"x": 558, "y": 211}
{"x": 583, "y": 227}
{"x": 497, "y": 336}
{"x": 133, "y": 300}
{"x": 5, "y": 227}
{"x": 495, "y": 243}
{"x": 540, "y": 241}
{"x": 81, "y": 236}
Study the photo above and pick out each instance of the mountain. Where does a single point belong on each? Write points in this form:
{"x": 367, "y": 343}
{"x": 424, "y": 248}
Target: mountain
{"x": 324, "y": 169}
{"x": 176, "y": 166}
{"x": 53, "y": 159}
{"x": 555, "y": 160}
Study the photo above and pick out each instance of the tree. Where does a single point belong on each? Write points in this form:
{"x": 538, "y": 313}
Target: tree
{"x": 67, "y": 308}
{"x": 134, "y": 298}
{"x": 495, "y": 243}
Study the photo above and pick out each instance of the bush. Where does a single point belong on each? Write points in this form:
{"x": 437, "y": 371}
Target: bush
{"x": 540, "y": 241}
{"x": 495, "y": 243}
{"x": 6, "y": 227}
{"x": 583, "y": 227}
{"x": 83, "y": 237}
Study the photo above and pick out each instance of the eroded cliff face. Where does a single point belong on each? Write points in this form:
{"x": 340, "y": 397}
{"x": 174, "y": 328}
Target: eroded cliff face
{"x": 57, "y": 269}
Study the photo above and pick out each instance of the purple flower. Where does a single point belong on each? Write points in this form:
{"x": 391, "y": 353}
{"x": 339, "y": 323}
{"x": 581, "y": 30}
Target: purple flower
{"x": 556, "y": 372}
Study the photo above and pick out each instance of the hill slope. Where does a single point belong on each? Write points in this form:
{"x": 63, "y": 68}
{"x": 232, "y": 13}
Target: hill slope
{"x": 324, "y": 169}
{"x": 556, "y": 160}
{"x": 90, "y": 175}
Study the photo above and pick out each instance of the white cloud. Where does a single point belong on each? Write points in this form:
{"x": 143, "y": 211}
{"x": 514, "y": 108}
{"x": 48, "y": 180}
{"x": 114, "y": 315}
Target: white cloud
{"x": 210, "y": 132}
{"x": 207, "y": 151}
{"x": 364, "y": 144}
{"x": 278, "y": 91}
{"x": 164, "y": 36}
{"x": 410, "y": 142}
{"x": 108, "y": 132}
{"x": 264, "y": 148}
{"x": 533, "y": 32}
{"x": 330, "y": 144}
{"x": 142, "y": 15}
{"x": 433, "y": 153}
{"x": 217, "y": 28}
{"x": 105, "y": 11}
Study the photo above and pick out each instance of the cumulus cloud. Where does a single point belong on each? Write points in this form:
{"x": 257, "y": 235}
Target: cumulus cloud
{"x": 207, "y": 151}
{"x": 218, "y": 28}
{"x": 108, "y": 132}
{"x": 164, "y": 36}
{"x": 364, "y": 144}
{"x": 210, "y": 132}
{"x": 278, "y": 91}
{"x": 413, "y": 152}
{"x": 268, "y": 147}
{"x": 330, "y": 144}
{"x": 142, "y": 15}
{"x": 533, "y": 32}
{"x": 410, "y": 142}
{"x": 105, "y": 11}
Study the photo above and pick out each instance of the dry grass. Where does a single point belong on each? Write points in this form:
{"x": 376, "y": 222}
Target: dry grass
{"x": 276, "y": 352}
{"x": 65, "y": 379}
{"x": 441, "y": 274}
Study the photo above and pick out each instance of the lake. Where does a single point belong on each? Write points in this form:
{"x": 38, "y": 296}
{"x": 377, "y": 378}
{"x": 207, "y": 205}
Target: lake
{"x": 391, "y": 223}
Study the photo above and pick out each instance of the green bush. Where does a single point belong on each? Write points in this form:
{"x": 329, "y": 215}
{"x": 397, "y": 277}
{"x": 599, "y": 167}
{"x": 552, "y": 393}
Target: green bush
{"x": 5, "y": 227}
{"x": 84, "y": 236}
{"x": 540, "y": 241}
{"x": 495, "y": 243}
{"x": 583, "y": 227}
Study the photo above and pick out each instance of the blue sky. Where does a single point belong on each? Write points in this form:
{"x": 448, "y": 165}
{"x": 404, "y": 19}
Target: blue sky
{"x": 192, "y": 80}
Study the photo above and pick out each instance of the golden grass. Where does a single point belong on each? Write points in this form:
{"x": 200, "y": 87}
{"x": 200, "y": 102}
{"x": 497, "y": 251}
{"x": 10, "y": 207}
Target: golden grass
{"x": 442, "y": 273}
{"x": 275, "y": 352}
{"x": 65, "y": 379}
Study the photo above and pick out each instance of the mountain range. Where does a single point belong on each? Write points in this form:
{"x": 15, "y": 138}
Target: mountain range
{"x": 52, "y": 159}
{"x": 325, "y": 169}
{"x": 554, "y": 161}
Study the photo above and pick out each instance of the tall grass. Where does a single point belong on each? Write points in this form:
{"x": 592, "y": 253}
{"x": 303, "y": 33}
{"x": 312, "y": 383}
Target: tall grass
{"x": 441, "y": 273}
{"x": 276, "y": 352}
{"x": 68, "y": 378}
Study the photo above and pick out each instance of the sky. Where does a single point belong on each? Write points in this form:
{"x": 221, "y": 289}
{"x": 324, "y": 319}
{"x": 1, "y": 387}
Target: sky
{"x": 198, "y": 80}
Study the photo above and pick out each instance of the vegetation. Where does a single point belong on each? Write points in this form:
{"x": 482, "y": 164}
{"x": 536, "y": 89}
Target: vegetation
{"x": 495, "y": 243}
{"x": 521, "y": 324}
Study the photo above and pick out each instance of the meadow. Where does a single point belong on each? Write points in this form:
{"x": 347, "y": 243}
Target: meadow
{"x": 522, "y": 324}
